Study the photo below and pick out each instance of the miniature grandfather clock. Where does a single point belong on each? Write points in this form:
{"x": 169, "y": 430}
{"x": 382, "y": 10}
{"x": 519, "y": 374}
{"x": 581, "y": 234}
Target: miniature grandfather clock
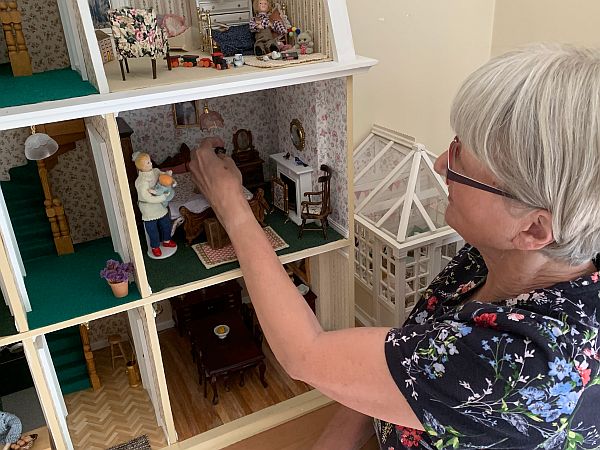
{"x": 247, "y": 160}
{"x": 18, "y": 53}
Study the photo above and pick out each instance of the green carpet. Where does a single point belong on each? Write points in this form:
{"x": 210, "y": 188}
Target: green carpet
{"x": 185, "y": 267}
{"x": 40, "y": 87}
{"x": 68, "y": 360}
{"x": 64, "y": 287}
{"x": 7, "y": 323}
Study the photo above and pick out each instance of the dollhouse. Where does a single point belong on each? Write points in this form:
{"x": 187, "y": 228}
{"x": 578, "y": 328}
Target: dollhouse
{"x": 401, "y": 238}
{"x": 62, "y": 217}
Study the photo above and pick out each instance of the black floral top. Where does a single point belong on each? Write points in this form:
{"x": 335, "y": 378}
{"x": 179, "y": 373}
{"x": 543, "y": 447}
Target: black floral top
{"x": 521, "y": 373}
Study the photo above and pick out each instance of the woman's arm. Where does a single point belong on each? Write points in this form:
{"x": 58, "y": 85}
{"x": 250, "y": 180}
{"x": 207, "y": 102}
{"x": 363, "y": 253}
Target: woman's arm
{"x": 349, "y": 365}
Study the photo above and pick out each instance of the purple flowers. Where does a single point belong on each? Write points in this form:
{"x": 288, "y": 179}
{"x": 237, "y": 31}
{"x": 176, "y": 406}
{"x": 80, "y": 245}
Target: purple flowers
{"x": 116, "y": 272}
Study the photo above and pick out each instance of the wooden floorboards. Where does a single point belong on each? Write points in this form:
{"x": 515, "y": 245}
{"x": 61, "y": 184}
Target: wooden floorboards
{"x": 114, "y": 414}
{"x": 193, "y": 414}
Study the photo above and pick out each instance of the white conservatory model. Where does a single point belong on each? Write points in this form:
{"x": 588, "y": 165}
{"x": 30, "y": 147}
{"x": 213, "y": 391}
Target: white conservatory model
{"x": 401, "y": 239}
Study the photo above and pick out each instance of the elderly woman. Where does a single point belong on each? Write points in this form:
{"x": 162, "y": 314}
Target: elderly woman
{"x": 502, "y": 350}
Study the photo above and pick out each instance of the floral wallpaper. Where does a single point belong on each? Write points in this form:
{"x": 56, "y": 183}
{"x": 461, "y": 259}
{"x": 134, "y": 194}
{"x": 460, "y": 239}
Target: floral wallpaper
{"x": 155, "y": 132}
{"x": 321, "y": 107}
{"x": 44, "y": 36}
{"x": 102, "y": 328}
{"x": 74, "y": 181}
{"x": 12, "y": 150}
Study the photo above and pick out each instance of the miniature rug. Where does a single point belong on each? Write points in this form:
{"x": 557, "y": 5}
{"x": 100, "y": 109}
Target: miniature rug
{"x": 272, "y": 63}
{"x": 139, "y": 443}
{"x": 212, "y": 257}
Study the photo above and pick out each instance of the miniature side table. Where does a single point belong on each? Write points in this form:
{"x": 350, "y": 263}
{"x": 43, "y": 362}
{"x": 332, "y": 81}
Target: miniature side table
{"x": 216, "y": 357}
{"x": 299, "y": 180}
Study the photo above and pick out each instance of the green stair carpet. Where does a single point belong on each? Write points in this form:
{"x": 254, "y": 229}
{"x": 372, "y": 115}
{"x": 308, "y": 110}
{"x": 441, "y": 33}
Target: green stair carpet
{"x": 69, "y": 361}
{"x": 25, "y": 202}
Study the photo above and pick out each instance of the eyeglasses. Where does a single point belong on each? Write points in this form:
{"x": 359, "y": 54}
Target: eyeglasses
{"x": 462, "y": 179}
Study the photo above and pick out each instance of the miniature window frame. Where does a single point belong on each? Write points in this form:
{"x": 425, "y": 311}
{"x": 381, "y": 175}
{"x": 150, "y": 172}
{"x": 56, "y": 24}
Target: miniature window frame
{"x": 280, "y": 195}
{"x": 196, "y": 104}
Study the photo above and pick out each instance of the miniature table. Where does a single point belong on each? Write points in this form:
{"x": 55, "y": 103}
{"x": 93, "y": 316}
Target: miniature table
{"x": 216, "y": 357}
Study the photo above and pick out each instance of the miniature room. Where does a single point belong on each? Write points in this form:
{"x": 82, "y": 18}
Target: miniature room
{"x": 287, "y": 142}
{"x": 63, "y": 221}
{"x": 200, "y": 40}
{"x": 40, "y": 59}
{"x": 104, "y": 367}
{"x": 217, "y": 365}
{"x": 19, "y": 402}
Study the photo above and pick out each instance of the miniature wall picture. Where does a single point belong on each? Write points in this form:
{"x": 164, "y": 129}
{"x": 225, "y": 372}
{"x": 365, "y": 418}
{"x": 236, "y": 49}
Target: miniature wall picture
{"x": 186, "y": 114}
{"x": 99, "y": 10}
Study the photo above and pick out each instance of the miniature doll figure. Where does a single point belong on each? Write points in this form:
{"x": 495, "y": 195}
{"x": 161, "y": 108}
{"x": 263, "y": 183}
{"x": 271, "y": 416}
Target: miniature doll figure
{"x": 165, "y": 185}
{"x": 268, "y": 30}
{"x": 154, "y": 213}
{"x": 10, "y": 433}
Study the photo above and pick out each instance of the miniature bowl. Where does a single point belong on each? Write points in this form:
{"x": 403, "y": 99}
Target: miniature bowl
{"x": 221, "y": 331}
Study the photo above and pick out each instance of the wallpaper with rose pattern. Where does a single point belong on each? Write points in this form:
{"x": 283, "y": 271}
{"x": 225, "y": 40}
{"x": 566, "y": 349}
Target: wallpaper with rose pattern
{"x": 44, "y": 36}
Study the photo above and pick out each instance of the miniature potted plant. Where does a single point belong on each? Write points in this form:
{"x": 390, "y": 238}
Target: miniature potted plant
{"x": 117, "y": 275}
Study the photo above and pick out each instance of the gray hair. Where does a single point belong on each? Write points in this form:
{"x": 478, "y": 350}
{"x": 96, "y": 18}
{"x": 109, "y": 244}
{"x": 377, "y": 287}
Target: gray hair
{"x": 532, "y": 116}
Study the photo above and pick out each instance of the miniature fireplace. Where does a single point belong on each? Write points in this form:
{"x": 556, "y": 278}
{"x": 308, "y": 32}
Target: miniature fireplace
{"x": 298, "y": 179}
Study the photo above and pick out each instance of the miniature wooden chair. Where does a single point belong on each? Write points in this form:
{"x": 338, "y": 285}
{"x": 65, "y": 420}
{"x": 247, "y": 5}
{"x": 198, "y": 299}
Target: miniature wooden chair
{"x": 137, "y": 34}
{"x": 318, "y": 206}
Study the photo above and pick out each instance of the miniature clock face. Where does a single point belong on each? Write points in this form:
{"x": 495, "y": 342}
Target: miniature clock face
{"x": 297, "y": 134}
{"x": 243, "y": 141}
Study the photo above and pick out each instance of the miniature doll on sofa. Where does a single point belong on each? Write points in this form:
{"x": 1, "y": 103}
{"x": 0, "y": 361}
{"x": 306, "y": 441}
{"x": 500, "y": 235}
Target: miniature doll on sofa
{"x": 267, "y": 31}
{"x": 155, "y": 215}
{"x": 164, "y": 185}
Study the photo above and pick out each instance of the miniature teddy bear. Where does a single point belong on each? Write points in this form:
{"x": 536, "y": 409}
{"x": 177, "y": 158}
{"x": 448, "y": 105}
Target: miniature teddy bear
{"x": 304, "y": 43}
{"x": 165, "y": 185}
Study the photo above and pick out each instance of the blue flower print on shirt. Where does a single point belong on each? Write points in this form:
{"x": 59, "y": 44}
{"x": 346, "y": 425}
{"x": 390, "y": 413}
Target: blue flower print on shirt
{"x": 560, "y": 368}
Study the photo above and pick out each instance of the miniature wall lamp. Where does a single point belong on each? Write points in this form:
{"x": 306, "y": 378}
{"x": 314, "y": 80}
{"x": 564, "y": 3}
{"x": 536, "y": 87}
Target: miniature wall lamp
{"x": 210, "y": 119}
{"x": 39, "y": 146}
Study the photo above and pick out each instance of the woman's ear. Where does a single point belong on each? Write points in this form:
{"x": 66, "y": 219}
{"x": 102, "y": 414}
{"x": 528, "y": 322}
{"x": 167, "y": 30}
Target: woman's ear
{"x": 536, "y": 231}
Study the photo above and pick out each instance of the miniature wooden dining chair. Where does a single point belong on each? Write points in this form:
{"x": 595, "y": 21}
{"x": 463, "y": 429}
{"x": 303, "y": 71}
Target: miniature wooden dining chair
{"x": 318, "y": 205}
{"x": 137, "y": 34}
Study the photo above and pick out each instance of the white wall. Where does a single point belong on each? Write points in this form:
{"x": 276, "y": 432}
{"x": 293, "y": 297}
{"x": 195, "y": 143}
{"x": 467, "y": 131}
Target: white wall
{"x": 526, "y": 21}
{"x": 425, "y": 49}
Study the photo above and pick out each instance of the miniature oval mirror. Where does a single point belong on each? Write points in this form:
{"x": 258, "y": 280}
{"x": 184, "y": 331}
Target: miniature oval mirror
{"x": 297, "y": 134}
{"x": 242, "y": 140}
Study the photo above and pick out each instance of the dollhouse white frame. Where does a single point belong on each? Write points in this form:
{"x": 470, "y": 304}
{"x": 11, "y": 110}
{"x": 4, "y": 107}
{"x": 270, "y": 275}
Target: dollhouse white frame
{"x": 392, "y": 268}
{"x": 331, "y": 265}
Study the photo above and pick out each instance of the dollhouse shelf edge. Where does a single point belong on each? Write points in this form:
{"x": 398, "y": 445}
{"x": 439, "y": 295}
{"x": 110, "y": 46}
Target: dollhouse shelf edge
{"x": 93, "y": 105}
{"x": 165, "y": 294}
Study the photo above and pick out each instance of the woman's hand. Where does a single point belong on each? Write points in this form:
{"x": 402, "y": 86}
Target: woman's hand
{"x": 220, "y": 182}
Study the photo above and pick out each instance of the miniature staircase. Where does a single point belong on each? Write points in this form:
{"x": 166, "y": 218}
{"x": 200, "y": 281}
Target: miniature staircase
{"x": 69, "y": 361}
{"x": 25, "y": 202}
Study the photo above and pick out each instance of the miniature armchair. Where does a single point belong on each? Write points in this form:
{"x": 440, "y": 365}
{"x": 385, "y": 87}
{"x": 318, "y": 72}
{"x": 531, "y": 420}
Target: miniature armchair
{"x": 137, "y": 34}
{"x": 318, "y": 205}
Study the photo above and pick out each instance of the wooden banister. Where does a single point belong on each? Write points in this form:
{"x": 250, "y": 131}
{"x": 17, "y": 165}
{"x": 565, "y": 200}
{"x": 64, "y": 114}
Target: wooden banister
{"x": 18, "y": 54}
{"x": 89, "y": 356}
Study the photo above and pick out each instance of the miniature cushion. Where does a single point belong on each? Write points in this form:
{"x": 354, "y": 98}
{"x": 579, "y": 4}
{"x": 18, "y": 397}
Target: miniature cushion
{"x": 237, "y": 39}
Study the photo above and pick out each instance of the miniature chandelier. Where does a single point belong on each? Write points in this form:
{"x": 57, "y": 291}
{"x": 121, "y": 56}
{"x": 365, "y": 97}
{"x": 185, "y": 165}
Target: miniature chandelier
{"x": 39, "y": 146}
{"x": 210, "y": 120}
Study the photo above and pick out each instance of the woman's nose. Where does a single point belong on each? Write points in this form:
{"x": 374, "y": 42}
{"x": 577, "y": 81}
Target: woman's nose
{"x": 441, "y": 164}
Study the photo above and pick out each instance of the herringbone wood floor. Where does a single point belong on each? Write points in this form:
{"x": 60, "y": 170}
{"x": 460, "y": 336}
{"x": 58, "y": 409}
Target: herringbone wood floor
{"x": 114, "y": 414}
{"x": 194, "y": 414}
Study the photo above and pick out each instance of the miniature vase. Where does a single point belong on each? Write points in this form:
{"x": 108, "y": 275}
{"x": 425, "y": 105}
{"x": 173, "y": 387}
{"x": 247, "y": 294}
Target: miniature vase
{"x": 120, "y": 289}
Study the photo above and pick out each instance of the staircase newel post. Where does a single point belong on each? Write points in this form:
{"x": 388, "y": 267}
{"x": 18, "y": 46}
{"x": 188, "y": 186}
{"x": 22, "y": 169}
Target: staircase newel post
{"x": 89, "y": 356}
{"x": 18, "y": 54}
{"x": 56, "y": 214}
